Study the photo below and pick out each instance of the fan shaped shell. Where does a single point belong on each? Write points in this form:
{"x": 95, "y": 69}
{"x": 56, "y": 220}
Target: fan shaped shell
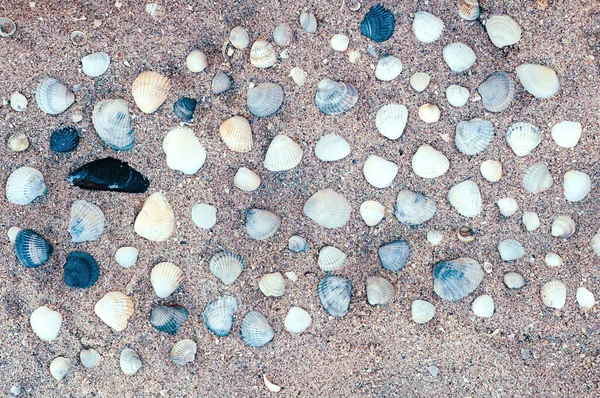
{"x": 89, "y": 358}
{"x": 483, "y": 306}
{"x": 497, "y": 92}
{"x": 226, "y": 266}
{"x": 427, "y": 27}
{"x": 297, "y": 320}
{"x": 413, "y": 208}
{"x": 577, "y": 185}
{"x": 514, "y": 280}
{"x": 419, "y": 81}
{"x": 166, "y": 278}
{"x": 168, "y": 319}
{"x": 204, "y": 215}
{"x": 503, "y": 30}
{"x": 511, "y": 250}
{"x": 459, "y": 57}
{"x": 394, "y": 255}
{"x": 331, "y": 259}
{"x": 379, "y": 172}
{"x": 554, "y": 294}
{"x": 372, "y": 212}
{"x": 283, "y": 154}
{"x": 531, "y": 220}
{"x": 126, "y": 256}
{"x": 332, "y": 147}
{"x": 283, "y": 34}
{"x": 468, "y": 9}
{"x": 537, "y": 178}
{"x": 563, "y": 226}
{"x": 196, "y": 61}
{"x": 566, "y": 134}
{"x": 333, "y": 98}
{"x": 239, "y": 38}
{"x": 328, "y": 208}
{"x": 18, "y": 142}
{"x": 264, "y": 99}
{"x": 246, "y": 179}
{"x": 523, "y": 138}
{"x": 156, "y": 220}
{"x": 24, "y": 185}
{"x": 262, "y": 54}
{"x": 335, "y": 293}
{"x": 87, "y": 221}
{"x": 456, "y": 279}
{"x": 183, "y": 150}
{"x": 428, "y": 162}
{"x": 64, "y": 140}
{"x": 218, "y": 315}
{"x": 112, "y": 122}
{"x": 391, "y": 120}
{"x": 308, "y": 21}
{"x": 183, "y": 352}
{"x": 236, "y": 133}
{"x": 184, "y": 109}
{"x": 539, "y": 81}
{"x": 256, "y": 330}
{"x": 422, "y": 311}
{"x": 297, "y": 244}
{"x": 221, "y": 83}
{"x": 272, "y": 285}
{"x": 81, "y": 270}
{"x": 388, "y": 68}
{"x": 95, "y": 64}
{"x": 457, "y": 96}
{"x": 491, "y": 170}
{"x": 466, "y": 198}
{"x": 45, "y": 323}
{"x": 60, "y": 367}
{"x": 378, "y": 24}
{"x": 114, "y": 309}
{"x": 150, "y": 90}
{"x": 379, "y": 291}
{"x": 32, "y": 249}
{"x": 473, "y": 136}
{"x": 130, "y": 362}
{"x": 53, "y": 97}
{"x": 262, "y": 224}
{"x": 585, "y": 298}
{"x": 507, "y": 206}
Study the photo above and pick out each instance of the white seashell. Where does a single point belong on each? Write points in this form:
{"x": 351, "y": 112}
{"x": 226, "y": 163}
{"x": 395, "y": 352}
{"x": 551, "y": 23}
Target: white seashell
{"x": 413, "y": 208}
{"x": 554, "y": 294}
{"x": 292, "y": 276}
{"x": 297, "y": 244}
{"x": 503, "y": 30}
{"x": 514, "y": 280}
{"x": 419, "y": 81}
{"x": 531, "y": 221}
{"x": 483, "y": 306}
{"x": 428, "y": 162}
{"x": 434, "y": 237}
{"x": 283, "y": 34}
{"x": 156, "y": 10}
{"x": 53, "y": 97}
{"x": 339, "y": 42}
{"x": 283, "y": 154}
{"x": 465, "y": 198}
{"x": 507, "y": 206}
{"x": 24, "y": 185}
{"x": 596, "y": 243}
{"x": 388, "y": 68}
{"x": 272, "y": 285}
{"x": 523, "y": 138}
{"x": 427, "y": 27}
{"x": 18, "y": 142}
{"x": 391, "y": 120}
{"x": 262, "y": 224}
{"x": 18, "y": 102}
{"x": 585, "y": 298}
{"x": 130, "y": 361}
{"x": 539, "y": 81}
{"x": 150, "y": 90}
{"x": 114, "y": 309}
{"x": 457, "y": 96}
{"x": 226, "y": 266}
{"x": 156, "y": 220}
{"x": 468, "y": 9}
{"x": 353, "y": 56}
{"x": 537, "y": 178}
{"x": 491, "y": 170}
{"x": 332, "y": 147}
{"x": 95, "y": 64}
{"x": 126, "y": 257}
{"x": 238, "y": 37}
{"x": 577, "y": 185}
{"x": 308, "y": 22}
{"x": 553, "y": 260}
{"x": 379, "y": 172}
{"x": 563, "y": 227}
{"x": 429, "y": 113}
{"x": 46, "y": 323}
{"x": 379, "y": 291}
{"x": 264, "y": 99}
{"x": 511, "y": 250}
{"x": 184, "y": 352}
{"x": 60, "y": 367}
{"x": 262, "y": 54}
{"x": 196, "y": 61}
{"x": 566, "y": 134}
{"x": 87, "y": 221}
{"x": 204, "y": 215}
{"x": 372, "y": 212}
{"x": 236, "y": 133}
{"x": 183, "y": 150}
{"x": 112, "y": 122}
{"x": 297, "y": 320}
{"x": 473, "y": 136}
{"x": 422, "y": 311}
{"x": 298, "y": 75}
{"x": 328, "y": 209}
{"x": 12, "y": 233}
{"x": 246, "y": 180}
{"x": 165, "y": 278}
{"x": 89, "y": 358}
{"x": 221, "y": 83}
{"x": 459, "y": 57}
{"x": 331, "y": 259}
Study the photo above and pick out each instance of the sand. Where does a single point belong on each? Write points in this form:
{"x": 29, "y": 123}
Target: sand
{"x": 525, "y": 349}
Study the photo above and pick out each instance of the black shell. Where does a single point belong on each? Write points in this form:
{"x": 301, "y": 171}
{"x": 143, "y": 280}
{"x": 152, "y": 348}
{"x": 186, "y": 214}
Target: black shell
{"x": 109, "y": 174}
{"x": 64, "y": 140}
{"x": 32, "y": 249}
{"x": 81, "y": 270}
{"x": 378, "y": 24}
{"x": 168, "y": 319}
{"x": 184, "y": 108}
{"x": 393, "y": 256}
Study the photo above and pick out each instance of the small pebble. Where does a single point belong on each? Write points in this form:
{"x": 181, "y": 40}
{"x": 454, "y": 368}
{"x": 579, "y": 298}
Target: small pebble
{"x": 433, "y": 370}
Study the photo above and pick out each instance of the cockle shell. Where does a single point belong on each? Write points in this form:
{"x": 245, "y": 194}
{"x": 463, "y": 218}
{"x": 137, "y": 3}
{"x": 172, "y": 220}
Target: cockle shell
{"x": 335, "y": 293}
{"x": 196, "y": 61}
{"x": 378, "y": 24}
{"x": 89, "y": 358}
{"x": 220, "y": 83}
{"x": 297, "y": 244}
{"x": 372, "y": 212}
{"x": 183, "y": 352}
{"x": 24, "y": 185}
{"x": 468, "y": 9}
{"x": 585, "y": 298}
{"x": 523, "y": 138}
{"x": 388, "y": 68}
{"x": 503, "y": 30}
{"x": 218, "y": 315}
{"x": 331, "y": 259}
{"x": 483, "y": 306}
{"x": 60, "y": 367}
{"x": 272, "y": 285}
{"x": 428, "y": 162}
{"x": 168, "y": 319}
{"x": 81, "y": 270}
{"x": 422, "y": 311}
{"x": 456, "y": 279}
{"x": 539, "y": 81}
{"x": 226, "y": 266}
{"x": 130, "y": 361}
{"x": 507, "y": 206}
{"x": 328, "y": 208}
{"x": 298, "y": 75}
{"x": 333, "y": 98}
{"x": 262, "y": 224}
{"x": 563, "y": 226}
{"x": 53, "y": 97}
{"x": 514, "y": 280}
{"x": 87, "y": 221}
{"x": 262, "y": 54}
{"x": 434, "y": 237}
{"x": 183, "y": 150}
{"x": 95, "y": 64}
{"x": 339, "y": 42}
{"x": 566, "y": 134}
{"x": 379, "y": 291}
{"x": 255, "y": 329}
{"x": 112, "y": 122}
{"x": 429, "y": 113}
{"x": 126, "y": 256}
{"x": 283, "y": 154}
{"x": 554, "y": 294}
{"x": 391, "y": 120}
{"x": 427, "y": 27}
{"x": 297, "y": 320}
{"x": 332, "y": 147}
{"x": 239, "y": 38}
{"x": 18, "y": 142}
{"x": 537, "y": 178}
{"x": 204, "y": 215}
{"x": 491, "y": 170}
{"x": 379, "y": 172}
{"x": 114, "y": 309}
{"x": 236, "y": 133}
{"x": 459, "y": 57}
{"x": 577, "y": 185}
{"x": 308, "y": 21}
{"x": 283, "y": 34}
{"x": 457, "y": 96}
{"x": 45, "y": 323}
{"x": 497, "y": 92}
{"x": 165, "y": 278}
{"x": 246, "y": 179}
{"x": 413, "y": 208}
{"x": 394, "y": 255}
{"x": 156, "y": 220}
{"x": 18, "y": 102}
{"x": 150, "y": 90}
{"x": 64, "y": 140}
{"x": 419, "y": 81}
{"x": 511, "y": 250}
{"x": 264, "y": 99}
{"x": 465, "y": 198}
{"x": 32, "y": 249}
{"x": 473, "y": 136}
{"x": 553, "y": 260}
{"x": 531, "y": 220}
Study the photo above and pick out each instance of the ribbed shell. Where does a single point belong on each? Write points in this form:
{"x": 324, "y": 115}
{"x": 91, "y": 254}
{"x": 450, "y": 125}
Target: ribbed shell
{"x": 331, "y": 259}
{"x": 335, "y": 293}
{"x": 255, "y": 329}
{"x": 465, "y": 198}
{"x": 239, "y": 37}
{"x": 262, "y": 54}
{"x": 379, "y": 172}
{"x": 511, "y": 250}
{"x": 514, "y": 280}
{"x": 457, "y": 96}
{"x": 308, "y": 21}
{"x": 328, "y": 208}
{"x": 53, "y": 97}
{"x": 379, "y": 291}
{"x": 272, "y": 285}
{"x": 298, "y": 75}
{"x": 127, "y": 256}
{"x": 378, "y": 24}
{"x": 95, "y": 64}
{"x": 531, "y": 221}
{"x": 32, "y": 249}
{"x": 333, "y": 98}
{"x": 585, "y": 298}
{"x": 112, "y": 122}
{"x": 264, "y": 99}
{"x": 391, "y": 120}
{"x": 394, "y": 255}
{"x": 89, "y": 358}
{"x": 218, "y": 315}
{"x": 473, "y": 136}
{"x": 283, "y": 34}
{"x": 283, "y": 154}
{"x": 183, "y": 150}
{"x": 413, "y": 208}
{"x": 483, "y": 306}
{"x": 388, "y": 68}
{"x": 236, "y": 133}
{"x": 109, "y": 174}
{"x": 226, "y": 266}
{"x": 45, "y": 323}
{"x": 468, "y": 9}
{"x": 428, "y": 162}
{"x": 553, "y": 260}
{"x": 297, "y": 244}
{"x": 507, "y": 206}
{"x": 221, "y": 83}
{"x": 297, "y": 320}
{"x": 372, "y": 212}
{"x": 262, "y": 224}
{"x": 196, "y": 61}
{"x": 204, "y": 215}
{"x": 491, "y": 170}
{"x": 554, "y": 294}
{"x": 563, "y": 226}
{"x": 497, "y": 92}
{"x": 168, "y": 319}
{"x": 184, "y": 109}
{"x": 419, "y": 81}
{"x": 332, "y": 147}
{"x": 459, "y": 57}
{"x": 183, "y": 352}
{"x": 577, "y": 185}
{"x": 165, "y": 278}
{"x": 87, "y": 221}
{"x": 18, "y": 142}
{"x": 64, "y": 140}
{"x": 427, "y": 27}
{"x": 7, "y": 28}
{"x": 246, "y": 179}
{"x": 503, "y": 30}
{"x": 60, "y": 367}
{"x": 150, "y": 90}
{"x": 434, "y": 237}
{"x": 537, "y": 178}
{"x": 130, "y": 362}
{"x": 156, "y": 220}
{"x": 566, "y": 134}
{"x": 339, "y": 42}
{"x": 456, "y": 279}
{"x": 422, "y": 311}
{"x": 81, "y": 270}
{"x": 24, "y": 185}
{"x": 523, "y": 138}
{"x": 539, "y": 81}
{"x": 114, "y": 309}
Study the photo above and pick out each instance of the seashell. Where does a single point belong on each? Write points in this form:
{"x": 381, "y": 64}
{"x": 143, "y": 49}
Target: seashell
{"x": 298, "y": 75}
{"x": 422, "y": 311}
{"x": 497, "y": 92}
{"x": 156, "y": 11}
{"x": 465, "y": 198}
{"x": 331, "y": 259}
{"x": 165, "y": 278}
{"x": 18, "y": 142}
{"x": 264, "y": 99}
{"x": 45, "y": 323}
{"x": 434, "y": 237}
{"x": 246, "y": 180}
{"x": 112, "y": 122}
{"x": 507, "y": 206}
{"x": 308, "y": 22}
{"x": 577, "y": 185}
{"x": 292, "y": 276}
{"x": 262, "y": 224}
{"x": 585, "y": 298}
{"x": 503, "y": 30}
{"x": 333, "y": 98}
{"x": 95, "y": 64}
{"x": 339, "y": 42}
{"x": 236, "y": 133}
{"x": 24, "y": 185}
{"x": 332, "y": 147}
{"x": 53, "y": 97}
{"x": 566, "y": 134}
{"x": 378, "y": 24}
{"x": 514, "y": 280}
{"x": 183, "y": 150}
{"x": 457, "y": 96}
{"x": 272, "y": 285}
{"x": 483, "y": 306}
{"x": 183, "y": 352}
{"x": 150, "y": 90}
{"x": 419, "y": 81}
{"x": 238, "y": 37}
{"x": 89, "y": 358}
{"x": 204, "y": 215}
{"x": 109, "y": 174}
{"x": 126, "y": 257}
{"x": 394, "y": 255}
{"x": 473, "y": 136}
{"x": 87, "y": 221}
{"x": 18, "y": 101}
{"x": 64, "y": 140}
{"x": 297, "y": 320}
{"x": 429, "y": 113}
{"x": 81, "y": 270}
{"x": 372, "y": 212}
{"x": 596, "y": 243}
{"x": 78, "y": 38}
{"x": 379, "y": 172}
{"x": 60, "y": 367}
{"x": 221, "y": 83}
{"x": 468, "y": 9}
{"x": 156, "y": 220}
{"x": 465, "y": 234}
{"x": 12, "y": 233}
{"x": 553, "y": 260}
{"x": 491, "y": 170}
{"x": 531, "y": 221}
{"x": 168, "y": 319}
{"x": 184, "y": 109}
{"x": 563, "y": 227}
{"x": 283, "y": 154}
{"x": 459, "y": 57}
{"x": 537, "y": 178}
{"x": 388, "y": 68}
{"x": 539, "y": 81}
{"x": 554, "y": 294}
{"x": 413, "y": 208}
{"x": 428, "y": 162}
{"x": 334, "y": 294}
{"x": 391, "y": 120}
{"x": 196, "y": 61}
{"x": 427, "y": 27}
{"x": 379, "y": 291}
{"x": 328, "y": 208}
{"x": 262, "y": 54}
{"x": 226, "y": 266}
{"x": 256, "y": 330}
{"x": 130, "y": 362}
{"x": 511, "y": 250}
{"x": 32, "y": 249}
{"x": 283, "y": 34}
{"x": 456, "y": 279}
{"x": 114, "y": 309}
{"x": 218, "y": 315}
{"x": 7, "y": 29}
{"x": 523, "y": 138}
{"x": 297, "y": 244}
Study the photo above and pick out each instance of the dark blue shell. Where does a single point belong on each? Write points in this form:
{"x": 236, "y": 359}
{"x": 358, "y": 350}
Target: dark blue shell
{"x": 109, "y": 174}
{"x": 394, "y": 255}
{"x": 64, "y": 140}
{"x": 168, "y": 319}
{"x": 32, "y": 250}
{"x": 184, "y": 108}
{"x": 81, "y": 270}
{"x": 378, "y": 24}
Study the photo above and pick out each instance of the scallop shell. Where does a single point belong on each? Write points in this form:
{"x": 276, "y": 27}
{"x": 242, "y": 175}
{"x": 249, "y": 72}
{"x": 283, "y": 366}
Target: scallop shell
{"x": 419, "y": 81}
{"x": 184, "y": 109}
{"x": 388, "y": 68}
{"x": 483, "y": 306}
{"x": 283, "y": 154}
{"x": 563, "y": 227}
{"x": 130, "y": 362}
{"x": 379, "y": 172}
{"x": 238, "y": 37}
{"x": 262, "y": 224}
{"x": 236, "y": 133}
{"x": 60, "y": 367}
{"x": 126, "y": 257}
{"x": 523, "y": 138}
{"x": 114, "y": 309}
{"x": 45, "y": 323}
{"x": 297, "y": 244}
{"x": 218, "y": 315}
{"x": 18, "y": 102}
{"x": 183, "y": 150}
{"x": 156, "y": 220}
{"x": 81, "y": 270}
{"x": 394, "y": 255}
{"x": 112, "y": 122}
{"x": 456, "y": 279}
{"x": 507, "y": 206}
{"x": 264, "y": 99}
{"x": 89, "y": 358}
{"x": 539, "y": 81}
{"x": 566, "y": 134}
{"x": 372, "y": 212}
{"x": 64, "y": 140}
{"x": 283, "y": 34}
{"x": 379, "y": 291}
{"x": 335, "y": 293}
{"x": 333, "y": 98}
{"x": 246, "y": 179}
{"x": 577, "y": 185}
{"x": 221, "y": 83}
{"x": 378, "y": 24}
{"x": 468, "y": 9}
{"x": 150, "y": 90}
{"x": 18, "y": 142}
{"x": 434, "y": 237}
{"x": 491, "y": 170}
{"x": 339, "y": 42}
{"x": 331, "y": 259}
{"x": 514, "y": 280}
{"x": 531, "y": 221}
{"x": 262, "y": 54}
{"x": 497, "y": 92}
{"x": 87, "y": 221}
{"x": 537, "y": 178}
{"x": 183, "y": 352}
{"x": 413, "y": 208}
{"x": 168, "y": 319}
{"x": 511, "y": 250}
{"x": 428, "y": 162}
{"x": 503, "y": 30}
{"x": 422, "y": 311}
{"x": 585, "y": 298}
{"x": 297, "y": 320}
{"x": 308, "y": 22}
{"x": 32, "y": 249}
{"x": 196, "y": 61}
{"x": 165, "y": 278}
{"x": 466, "y": 198}
{"x": 332, "y": 147}
{"x": 391, "y": 120}
{"x": 429, "y": 113}
{"x": 328, "y": 208}
{"x": 24, "y": 185}
{"x": 459, "y": 57}
{"x": 255, "y": 329}
{"x": 457, "y": 96}
{"x": 226, "y": 266}
{"x": 53, "y": 97}
{"x": 473, "y": 136}
{"x": 553, "y": 260}
{"x": 554, "y": 294}
{"x": 95, "y": 64}
{"x": 272, "y": 285}
{"x": 298, "y": 75}
{"x": 7, "y": 29}
{"x": 427, "y": 27}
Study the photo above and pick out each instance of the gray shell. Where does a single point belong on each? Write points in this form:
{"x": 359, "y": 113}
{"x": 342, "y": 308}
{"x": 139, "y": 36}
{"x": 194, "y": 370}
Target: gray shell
{"x": 256, "y": 330}
{"x": 112, "y": 122}
{"x": 264, "y": 99}
{"x": 473, "y": 136}
{"x": 456, "y": 279}
{"x": 334, "y": 293}
{"x": 87, "y": 221}
{"x": 168, "y": 319}
{"x": 218, "y": 315}
{"x": 333, "y": 97}
{"x": 53, "y": 97}
{"x": 394, "y": 255}
{"x": 221, "y": 83}
{"x": 297, "y": 244}
{"x": 226, "y": 266}
{"x": 537, "y": 178}
{"x": 262, "y": 224}
{"x": 497, "y": 92}
{"x": 413, "y": 208}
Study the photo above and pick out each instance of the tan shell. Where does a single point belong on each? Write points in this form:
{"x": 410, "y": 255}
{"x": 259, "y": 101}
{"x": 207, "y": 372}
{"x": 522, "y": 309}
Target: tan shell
{"x": 379, "y": 291}
{"x": 539, "y": 81}
{"x": 196, "y": 61}
{"x": 246, "y": 179}
{"x": 468, "y": 9}
{"x": 422, "y": 311}
{"x": 236, "y": 133}
{"x": 156, "y": 220}
{"x": 429, "y": 113}
{"x": 262, "y": 54}
{"x": 272, "y": 285}
{"x": 165, "y": 278}
{"x": 150, "y": 90}
{"x": 239, "y": 37}
{"x": 18, "y": 142}
{"x": 114, "y": 309}
{"x": 183, "y": 352}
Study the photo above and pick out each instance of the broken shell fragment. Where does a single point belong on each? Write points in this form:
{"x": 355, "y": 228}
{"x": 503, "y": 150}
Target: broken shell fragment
{"x": 379, "y": 291}
{"x": 297, "y": 320}
{"x": 236, "y": 133}
{"x": 95, "y": 64}
{"x": 112, "y": 122}
{"x": 156, "y": 220}
{"x": 422, "y": 311}
{"x": 566, "y": 134}
{"x": 577, "y": 185}
{"x": 427, "y": 27}
{"x": 18, "y": 102}
{"x": 24, "y": 185}
{"x": 332, "y": 147}
{"x": 413, "y": 208}
{"x": 468, "y": 9}
{"x": 514, "y": 280}
{"x": 497, "y": 92}
{"x": 218, "y": 315}
{"x": 428, "y": 162}
{"x": 308, "y": 22}
{"x": 262, "y": 224}
{"x": 255, "y": 329}
{"x": 523, "y": 138}
{"x": 457, "y": 96}
{"x": 130, "y": 362}
{"x": 459, "y": 57}
{"x": 264, "y": 99}
{"x": 60, "y": 367}
{"x": 32, "y": 249}
{"x": 394, "y": 255}
{"x": 81, "y": 270}
{"x": 563, "y": 226}
{"x": 239, "y": 38}
{"x": 298, "y": 75}
{"x": 7, "y": 27}
{"x": 491, "y": 170}
{"x": 18, "y": 142}
{"x": 332, "y": 259}
{"x": 379, "y": 172}
{"x": 114, "y": 309}
{"x": 246, "y": 179}
{"x": 335, "y": 293}
{"x": 378, "y": 24}
{"x": 87, "y": 221}
{"x": 272, "y": 285}
{"x": 328, "y": 208}
{"x": 184, "y": 109}
{"x": 183, "y": 352}
{"x": 465, "y": 234}
{"x": 456, "y": 279}
{"x": 126, "y": 256}
{"x": 503, "y": 30}
{"x": 45, "y": 323}
{"x": 165, "y": 279}
{"x": 511, "y": 250}
{"x": 388, "y": 68}
{"x": 539, "y": 81}
{"x": 262, "y": 54}
{"x": 434, "y": 237}
{"x": 372, "y": 212}
{"x": 226, "y": 266}
{"x": 53, "y": 97}
{"x": 109, "y": 174}
{"x": 483, "y": 306}
{"x": 183, "y": 150}
{"x": 196, "y": 61}
{"x": 333, "y": 98}
{"x": 585, "y": 298}
{"x": 64, "y": 140}
{"x": 466, "y": 198}
{"x": 150, "y": 90}
{"x": 391, "y": 120}
{"x": 554, "y": 294}
{"x": 297, "y": 244}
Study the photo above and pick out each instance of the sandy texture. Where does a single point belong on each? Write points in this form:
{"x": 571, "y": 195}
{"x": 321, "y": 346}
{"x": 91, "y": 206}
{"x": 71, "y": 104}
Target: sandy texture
{"x": 371, "y": 351}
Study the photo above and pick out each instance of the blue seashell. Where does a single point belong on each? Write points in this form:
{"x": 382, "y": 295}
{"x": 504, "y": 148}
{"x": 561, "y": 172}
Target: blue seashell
{"x": 81, "y": 270}
{"x": 393, "y": 256}
{"x": 32, "y": 250}
{"x": 218, "y": 316}
{"x": 64, "y": 140}
{"x": 333, "y": 98}
{"x": 378, "y": 24}
{"x": 256, "y": 330}
{"x": 168, "y": 319}
{"x": 334, "y": 293}
{"x": 184, "y": 108}
{"x": 457, "y": 278}
{"x": 109, "y": 174}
